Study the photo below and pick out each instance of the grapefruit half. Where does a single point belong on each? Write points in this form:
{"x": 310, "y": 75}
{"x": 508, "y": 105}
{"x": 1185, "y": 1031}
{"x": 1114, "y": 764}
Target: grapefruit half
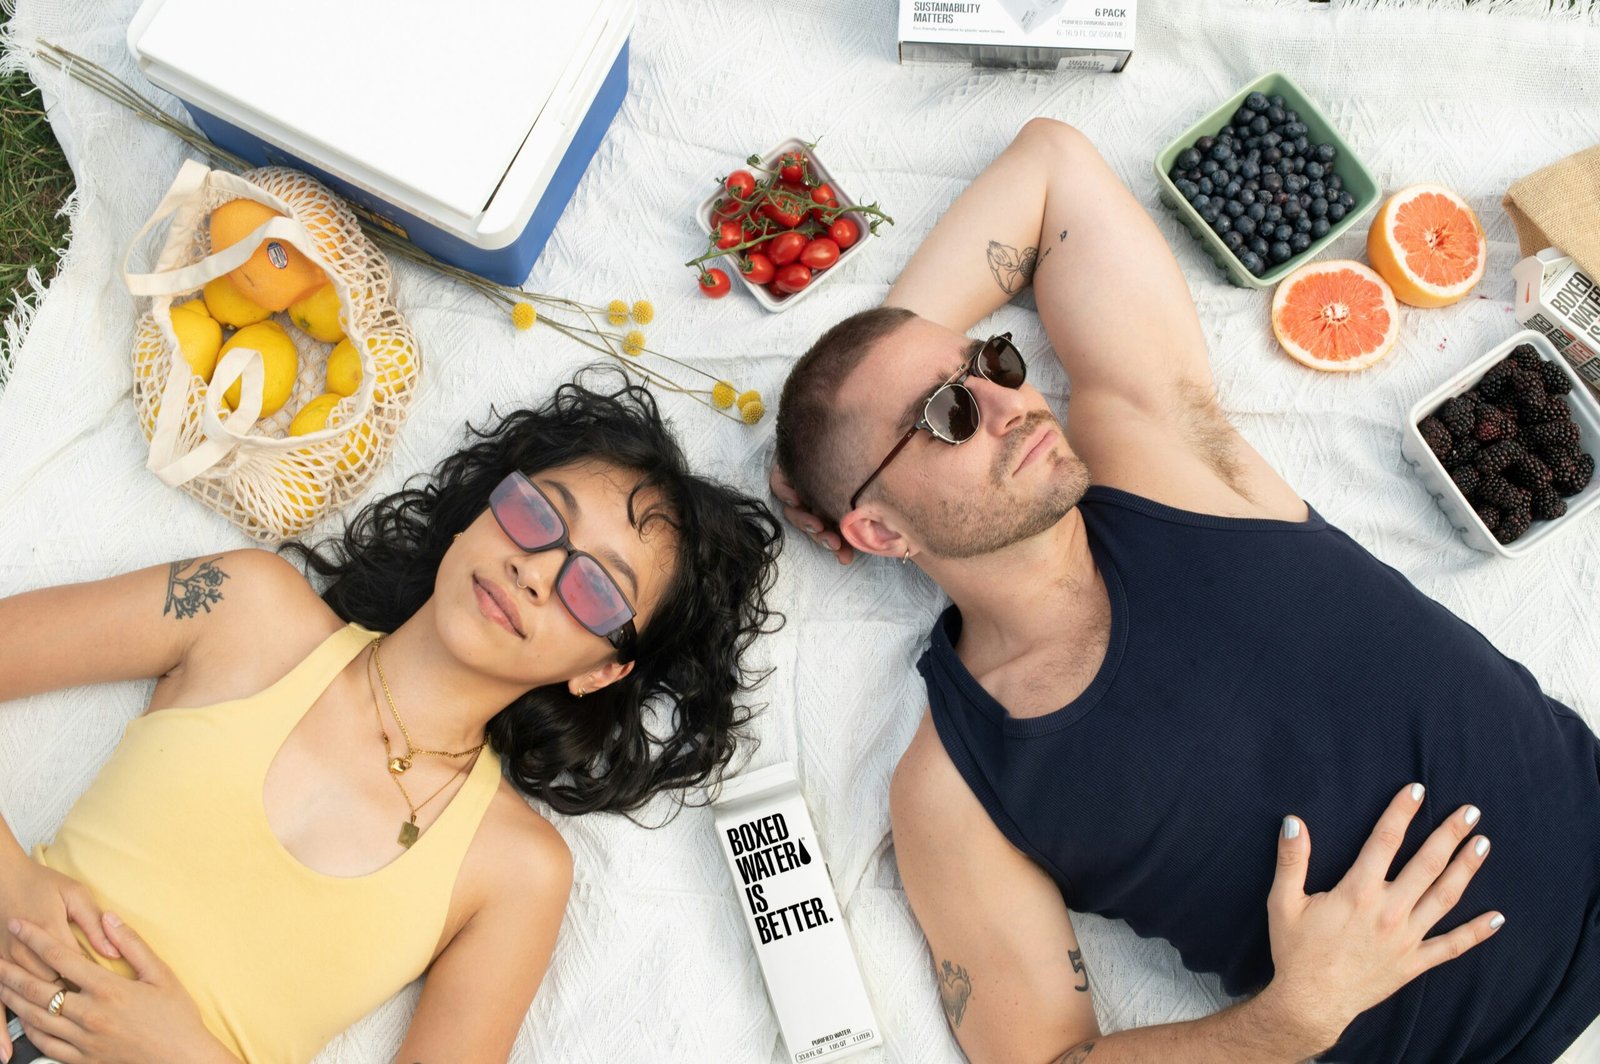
{"x": 1337, "y": 316}
{"x": 1428, "y": 245}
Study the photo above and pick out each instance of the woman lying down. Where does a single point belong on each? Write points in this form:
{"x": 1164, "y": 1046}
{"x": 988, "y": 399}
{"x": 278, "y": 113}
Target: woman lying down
{"x": 325, "y": 798}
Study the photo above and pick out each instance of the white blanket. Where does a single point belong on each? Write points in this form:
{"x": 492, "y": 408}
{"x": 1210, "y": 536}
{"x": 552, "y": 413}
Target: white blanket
{"x": 653, "y": 963}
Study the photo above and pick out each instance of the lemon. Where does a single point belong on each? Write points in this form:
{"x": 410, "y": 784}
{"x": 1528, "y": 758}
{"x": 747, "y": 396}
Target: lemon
{"x": 318, "y": 315}
{"x": 359, "y": 442}
{"x": 229, "y": 306}
{"x": 344, "y": 368}
{"x": 199, "y": 338}
{"x": 282, "y": 364}
{"x": 193, "y": 306}
{"x": 302, "y": 496}
{"x": 314, "y": 415}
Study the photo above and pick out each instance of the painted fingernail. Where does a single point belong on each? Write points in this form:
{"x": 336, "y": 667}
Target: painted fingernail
{"x": 1416, "y": 792}
{"x": 1291, "y": 828}
{"x": 1497, "y": 922}
{"x": 1480, "y": 847}
{"x": 1472, "y": 815}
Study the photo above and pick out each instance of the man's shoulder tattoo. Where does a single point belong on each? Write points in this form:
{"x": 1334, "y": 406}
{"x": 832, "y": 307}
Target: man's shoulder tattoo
{"x": 193, "y": 584}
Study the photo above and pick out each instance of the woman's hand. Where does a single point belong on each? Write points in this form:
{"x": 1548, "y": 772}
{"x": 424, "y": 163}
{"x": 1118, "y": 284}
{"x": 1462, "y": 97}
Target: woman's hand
{"x": 102, "y": 1017}
{"x": 50, "y": 900}
{"x": 805, "y": 520}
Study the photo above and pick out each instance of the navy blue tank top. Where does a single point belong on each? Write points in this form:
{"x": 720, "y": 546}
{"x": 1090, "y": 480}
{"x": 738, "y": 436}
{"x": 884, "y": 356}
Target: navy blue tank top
{"x": 1258, "y": 668}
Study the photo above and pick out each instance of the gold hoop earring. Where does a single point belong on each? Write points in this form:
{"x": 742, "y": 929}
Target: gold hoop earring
{"x": 906, "y": 557}
{"x": 455, "y": 537}
{"x": 580, "y": 692}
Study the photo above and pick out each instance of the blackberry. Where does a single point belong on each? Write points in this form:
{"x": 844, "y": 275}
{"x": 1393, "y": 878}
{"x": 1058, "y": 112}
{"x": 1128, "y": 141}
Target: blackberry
{"x": 1496, "y": 383}
{"x": 1535, "y": 409}
{"x": 1548, "y": 504}
{"x": 1497, "y": 457}
{"x": 1525, "y": 381}
{"x": 1554, "y": 435}
{"x": 1467, "y": 478}
{"x": 1466, "y": 449}
{"x": 1505, "y": 496}
{"x": 1529, "y": 472}
{"x": 1513, "y": 525}
{"x": 1456, "y": 413}
{"x": 1526, "y": 356}
{"x": 1489, "y": 515}
{"x": 1571, "y": 472}
{"x": 1436, "y": 436}
{"x": 1492, "y": 424}
{"x": 1555, "y": 382}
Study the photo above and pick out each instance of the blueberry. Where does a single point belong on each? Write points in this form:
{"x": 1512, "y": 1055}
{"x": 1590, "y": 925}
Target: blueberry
{"x": 1204, "y": 144}
{"x": 1272, "y": 181}
{"x": 1294, "y": 183}
{"x": 1205, "y": 185}
{"x": 1233, "y": 208}
{"x": 1294, "y": 127}
{"x": 1301, "y": 144}
{"x": 1319, "y": 207}
{"x": 1335, "y": 182}
{"x": 1252, "y": 263}
{"x": 1222, "y": 224}
{"x": 1242, "y": 116}
{"x": 1326, "y": 153}
{"x": 1233, "y": 189}
{"x": 1250, "y": 170}
{"x": 1299, "y": 164}
{"x": 1232, "y": 165}
{"x": 1209, "y": 213}
{"x": 1305, "y": 200}
{"x": 1293, "y": 210}
{"x": 1317, "y": 188}
{"x": 1314, "y": 169}
{"x": 1346, "y": 200}
{"x": 1274, "y": 213}
{"x": 1272, "y": 157}
{"x": 1259, "y": 245}
{"x": 1256, "y": 212}
{"x": 1279, "y": 199}
{"x": 1221, "y": 152}
{"x": 1256, "y": 102}
{"x": 1335, "y": 211}
{"x": 1246, "y": 196}
{"x": 1188, "y": 158}
{"x": 1284, "y": 231}
{"x": 1319, "y": 228}
{"x": 1272, "y": 140}
{"x": 1209, "y": 167}
{"x": 1299, "y": 242}
{"x": 1302, "y": 224}
{"x": 1245, "y": 224}
{"x": 1187, "y": 189}
{"x": 1276, "y": 100}
{"x": 1259, "y": 125}
{"x": 1233, "y": 240}
{"x": 1275, "y": 113}
{"x": 1201, "y": 200}
{"x": 1279, "y": 252}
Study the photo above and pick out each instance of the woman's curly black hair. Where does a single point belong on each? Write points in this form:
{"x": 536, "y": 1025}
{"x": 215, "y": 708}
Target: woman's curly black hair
{"x": 599, "y": 754}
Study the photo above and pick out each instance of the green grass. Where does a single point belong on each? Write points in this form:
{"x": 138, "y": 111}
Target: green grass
{"x": 34, "y": 182}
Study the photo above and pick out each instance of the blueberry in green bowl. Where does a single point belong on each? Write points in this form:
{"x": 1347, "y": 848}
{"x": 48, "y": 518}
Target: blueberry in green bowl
{"x": 1264, "y": 182}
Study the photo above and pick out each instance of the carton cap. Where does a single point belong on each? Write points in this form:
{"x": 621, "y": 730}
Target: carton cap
{"x": 757, "y": 782}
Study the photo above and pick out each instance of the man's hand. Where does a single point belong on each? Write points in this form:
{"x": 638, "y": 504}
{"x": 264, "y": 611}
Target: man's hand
{"x": 1340, "y": 953}
{"x": 805, "y": 520}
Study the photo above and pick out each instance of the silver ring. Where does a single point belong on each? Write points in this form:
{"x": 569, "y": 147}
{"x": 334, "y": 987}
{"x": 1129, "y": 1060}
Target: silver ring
{"x": 57, "y": 999}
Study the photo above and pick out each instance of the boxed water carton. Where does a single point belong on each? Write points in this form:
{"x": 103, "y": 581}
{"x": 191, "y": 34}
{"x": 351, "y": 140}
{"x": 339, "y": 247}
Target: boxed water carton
{"x": 461, "y": 128}
{"x": 1558, "y": 299}
{"x": 793, "y": 916}
{"x": 1035, "y": 34}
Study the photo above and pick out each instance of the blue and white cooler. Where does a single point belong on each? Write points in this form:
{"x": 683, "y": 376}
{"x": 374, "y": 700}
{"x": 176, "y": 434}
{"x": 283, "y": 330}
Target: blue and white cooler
{"x": 463, "y": 128}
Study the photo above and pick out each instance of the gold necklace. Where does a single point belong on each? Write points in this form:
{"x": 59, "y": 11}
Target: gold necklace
{"x": 409, "y": 832}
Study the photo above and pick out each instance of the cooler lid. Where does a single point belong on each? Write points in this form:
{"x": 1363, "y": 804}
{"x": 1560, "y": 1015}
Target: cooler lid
{"x": 436, "y": 97}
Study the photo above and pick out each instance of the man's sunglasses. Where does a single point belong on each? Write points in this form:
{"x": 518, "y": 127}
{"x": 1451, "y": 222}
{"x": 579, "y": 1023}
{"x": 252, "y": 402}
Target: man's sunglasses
{"x": 951, "y": 412}
{"x": 585, "y": 587}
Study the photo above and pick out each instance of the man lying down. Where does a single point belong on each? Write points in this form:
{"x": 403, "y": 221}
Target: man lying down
{"x": 1164, "y": 674}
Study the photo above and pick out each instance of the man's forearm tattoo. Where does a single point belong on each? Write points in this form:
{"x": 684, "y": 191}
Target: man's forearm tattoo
{"x": 954, "y": 990}
{"x": 1076, "y": 1055}
{"x": 193, "y": 585}
{"x": 1076, "y": 956}
{"x": 1012, "y": 269}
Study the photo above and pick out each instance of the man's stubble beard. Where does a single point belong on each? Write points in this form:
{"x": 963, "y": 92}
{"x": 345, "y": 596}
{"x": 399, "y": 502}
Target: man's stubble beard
{"x": 970, "y": 526}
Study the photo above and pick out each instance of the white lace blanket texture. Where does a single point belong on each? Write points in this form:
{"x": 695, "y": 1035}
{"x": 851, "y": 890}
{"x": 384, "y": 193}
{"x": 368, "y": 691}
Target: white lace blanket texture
{"x": 653, "y": 963}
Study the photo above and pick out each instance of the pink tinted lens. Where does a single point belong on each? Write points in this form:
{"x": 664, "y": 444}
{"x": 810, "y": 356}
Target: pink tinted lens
{"x": 592, "y": 596}
{"x": 525, "y": 515}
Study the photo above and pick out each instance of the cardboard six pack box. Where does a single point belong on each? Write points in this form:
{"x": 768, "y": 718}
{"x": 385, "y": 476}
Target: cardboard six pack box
{"x": 1035, "y": 34}
{"x": 1558, "y": 299}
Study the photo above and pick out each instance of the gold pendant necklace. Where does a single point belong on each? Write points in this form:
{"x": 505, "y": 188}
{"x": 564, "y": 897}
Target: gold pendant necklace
{"x": 409, "y": 832}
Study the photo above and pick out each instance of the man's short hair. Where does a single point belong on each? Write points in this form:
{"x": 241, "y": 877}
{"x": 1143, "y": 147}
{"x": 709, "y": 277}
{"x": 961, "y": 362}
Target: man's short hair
{"x": 813, "y": 448}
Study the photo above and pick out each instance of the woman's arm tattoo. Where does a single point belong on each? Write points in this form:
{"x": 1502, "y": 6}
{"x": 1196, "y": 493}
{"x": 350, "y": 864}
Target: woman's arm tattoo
{"x": 1012, "y": 269}
{"x": 193, "y": 585}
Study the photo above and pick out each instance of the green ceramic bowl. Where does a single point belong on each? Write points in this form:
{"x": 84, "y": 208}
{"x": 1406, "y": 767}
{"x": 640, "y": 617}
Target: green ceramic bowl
{"x": 1358, "y": 180}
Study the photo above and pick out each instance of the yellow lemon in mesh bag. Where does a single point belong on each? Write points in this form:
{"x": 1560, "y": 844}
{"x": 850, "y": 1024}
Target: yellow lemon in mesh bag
{"x": 282, "y": 364}
{"x": 301, "y": 497}
{"x": 199, "y": 337}
{"x": 344, "y": 369}
{"x": 359, "y": 442}
{"x": 313, "y": 417}
{"x": 393, "y": 360}
{"x": 229, "y": 306}
{"x": 317, "y": 315}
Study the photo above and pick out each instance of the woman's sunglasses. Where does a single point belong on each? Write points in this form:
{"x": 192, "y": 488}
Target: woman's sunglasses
{"x": 585, "y": 587}
{"x": 951, "y": 412}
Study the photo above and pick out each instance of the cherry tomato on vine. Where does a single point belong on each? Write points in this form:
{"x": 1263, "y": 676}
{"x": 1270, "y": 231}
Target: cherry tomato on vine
{"x": 757, "y": 268}
{"x": 786, "y": 247}
{"x": 786, "y": 208}
{"x": 726, "y": 208}
{"x": 820, "y": 253}
{"x": 844, "y": 232}
{"x": 792, "y": 167}
{"x": 741, "y": 183}
{"x": 824, "y": 195}
{"x": 729, "y": 233}
{"x": 714, "y": 284}
{"x": 792, "y": 278}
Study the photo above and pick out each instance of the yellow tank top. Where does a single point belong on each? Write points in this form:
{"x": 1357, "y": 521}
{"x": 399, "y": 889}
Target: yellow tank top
{"x": 173, "y": 837}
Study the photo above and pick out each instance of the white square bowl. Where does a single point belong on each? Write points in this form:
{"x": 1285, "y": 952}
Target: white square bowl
{"x": 1585, "y": 412}
{"x": 730, "y": 262}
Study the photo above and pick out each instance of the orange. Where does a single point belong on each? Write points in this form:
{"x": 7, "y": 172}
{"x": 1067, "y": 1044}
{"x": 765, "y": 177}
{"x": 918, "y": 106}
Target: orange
{"x": 277, "y": 274}
{"x": 1428, "y": 245}
{"x": 1337, "y": 316}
